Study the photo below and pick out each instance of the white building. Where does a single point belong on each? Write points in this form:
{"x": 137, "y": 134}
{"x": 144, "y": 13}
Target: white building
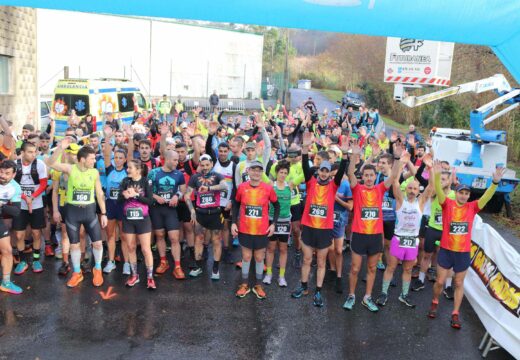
{"x": 181, "y": 60}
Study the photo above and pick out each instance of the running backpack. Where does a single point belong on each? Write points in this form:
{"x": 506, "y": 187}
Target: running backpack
{"x": 34, "y": 171}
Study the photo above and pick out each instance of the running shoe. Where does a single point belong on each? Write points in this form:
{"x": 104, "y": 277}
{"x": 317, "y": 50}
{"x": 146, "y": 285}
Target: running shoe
{"x": 258, "y": 290}
{"x": 196, "y": 272}
{"x": 109, "y": 267}
{"x": 215, "y": 275}
{"x": 415, "y": 272}
{"x": 97, "y": 278}
{"x": 75, "y": 279}
{"x": 297, "y": 261}
{"x": 382, "y": 299}
{"x": 236, "y": 243}
{"x": 162, "y": 268}
{"x": 238, "y": 265}
{"x": 448, "y": 293}
{"x": 299, "y": 292}
{"x": 455, "y": 322}
{"x": 132, "y": 280}
{"x": 267, "y": 279}
{"x": 243, "y": 290}
{"x": 64, "y": 269}
{"x": 58, "y": 253}
{"x": 370, "y": 305}
{"x": 49, "y": 251}
{"x": 339, "y": 286}
{"x": 317, "y": 300}
{"x": 37, "y": 267}
{"x": 178, "y": 273}
{"x": 126, "y": 269}
{"x": 349, "y": 303}
{"x": 150, "y": 284}
{"x": 431, "y": 275}
{"x": 432, "y": 313}
{"x": 405, "y": 299}
{"x": 10, "y": 287}
{"x": 282, "y": 282}
{"x": 417, "y": 285}
{"x": 381, "y": 266}
{"x": 21, "y": 268}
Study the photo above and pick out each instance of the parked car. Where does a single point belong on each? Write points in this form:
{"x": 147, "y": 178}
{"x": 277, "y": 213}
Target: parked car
{"x": 352, "y": 99}
{"x": 45, "y": 110}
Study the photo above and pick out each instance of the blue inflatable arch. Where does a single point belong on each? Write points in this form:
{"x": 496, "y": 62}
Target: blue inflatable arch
{"x": 482, "y": 22}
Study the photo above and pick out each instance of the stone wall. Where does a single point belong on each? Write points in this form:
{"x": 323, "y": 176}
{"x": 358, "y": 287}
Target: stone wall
{"x": 18, "y": 41}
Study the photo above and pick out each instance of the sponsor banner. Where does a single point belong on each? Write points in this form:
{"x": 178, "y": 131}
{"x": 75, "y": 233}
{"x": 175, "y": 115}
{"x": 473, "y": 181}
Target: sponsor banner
{"x": 492, "y": 285}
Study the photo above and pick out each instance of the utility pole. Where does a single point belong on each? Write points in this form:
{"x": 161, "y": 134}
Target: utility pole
{"x": 150, "y": 66}
{"x": 286, "y": 68}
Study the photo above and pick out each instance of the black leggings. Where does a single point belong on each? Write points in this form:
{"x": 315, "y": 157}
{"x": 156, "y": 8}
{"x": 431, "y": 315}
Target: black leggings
{"x": 82, "y": 215}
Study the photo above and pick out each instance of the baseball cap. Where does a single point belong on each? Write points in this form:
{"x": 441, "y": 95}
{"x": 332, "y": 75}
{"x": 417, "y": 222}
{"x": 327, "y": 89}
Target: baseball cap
{"x": 250, "y": 145}
{"x": 461, "y": 187}
{"x": 325, "y": 165}
{"x": 73, "y": 149}
{"x": 292, "y": 153}
{"x": 256, "y": 164}
{"x": 205, "y": 157}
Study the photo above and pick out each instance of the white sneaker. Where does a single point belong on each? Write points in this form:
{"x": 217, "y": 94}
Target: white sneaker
{"x": 215, "y": 276}
{"x": 195, "y": 272}
{"x": 126, "y": 269}
{"x": 282, "y": 282}
{"x": 111, "y": 265}
{"x": 267, "y": 279}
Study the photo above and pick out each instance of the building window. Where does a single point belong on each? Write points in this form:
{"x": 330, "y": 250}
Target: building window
{"x": 5, "y": 74}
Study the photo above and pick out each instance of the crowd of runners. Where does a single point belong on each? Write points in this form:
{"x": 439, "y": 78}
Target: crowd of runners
{"x": 189, "y": 182}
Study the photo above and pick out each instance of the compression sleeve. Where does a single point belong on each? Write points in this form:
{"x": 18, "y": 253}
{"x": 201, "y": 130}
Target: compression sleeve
{"x": 484, "y": 199}
{"x": 41, "y": 188}
{"x": 276, "y": 215}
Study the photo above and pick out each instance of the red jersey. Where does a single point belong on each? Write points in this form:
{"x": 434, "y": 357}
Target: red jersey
{"x": 319, "y": 206}
{"x": 367, "y": 209}
{"x": 457, "y": 223}
{"x": 254, "y": 207}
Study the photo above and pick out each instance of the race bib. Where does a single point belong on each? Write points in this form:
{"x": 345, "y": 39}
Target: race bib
{"x": 369, "y": 213}
{"x": 387, "y": 204}
{"x": 282, "y": 228}
{"x": 81, "y": 195}
{"x": 253, "y": 211}
{"x": 166, "y": 195}
{"x": 459, "y": 228}
{"x": 134, "y": 214}
{"x": 318, "y": 211}
{"x": 27, "y": 191}
{"x": 114, "y": 193}
{"x": 438, "y": 219}
{"x": 408, "y": 242}
{"x": 207, "y": 199}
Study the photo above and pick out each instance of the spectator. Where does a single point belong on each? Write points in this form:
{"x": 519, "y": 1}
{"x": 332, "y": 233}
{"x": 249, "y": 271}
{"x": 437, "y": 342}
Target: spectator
{"x": 213, "y": 101}
{"x": 164, "y": 108}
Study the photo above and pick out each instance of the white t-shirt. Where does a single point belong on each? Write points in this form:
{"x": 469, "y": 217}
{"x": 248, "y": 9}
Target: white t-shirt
{"x": 28, "y": 186}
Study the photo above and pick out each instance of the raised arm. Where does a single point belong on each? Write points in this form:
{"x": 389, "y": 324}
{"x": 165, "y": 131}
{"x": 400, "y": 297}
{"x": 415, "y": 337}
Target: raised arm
{"x": 356, "y": 155}
{"x": 497, "y": 176}
{"x": 437, "y": 170}
{"x": 9, "y": 142}
{"x": 403, "y": 158}
{"x": 306, "y": 142}
{"x": 107, "y": 132}
{"x": 52, "y": 161}
{"x": 343, "y": 164}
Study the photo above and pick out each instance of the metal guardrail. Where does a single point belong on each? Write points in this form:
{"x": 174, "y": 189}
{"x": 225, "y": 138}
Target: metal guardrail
{"x": 230, "y": 105}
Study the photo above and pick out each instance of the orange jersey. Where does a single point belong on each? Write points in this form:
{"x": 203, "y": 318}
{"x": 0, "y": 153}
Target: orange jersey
{"x": 368, "y": 217}
{"x": 254, "y": 207}
{"x": 457, "y": 223}
{"x": 319, "y": 206}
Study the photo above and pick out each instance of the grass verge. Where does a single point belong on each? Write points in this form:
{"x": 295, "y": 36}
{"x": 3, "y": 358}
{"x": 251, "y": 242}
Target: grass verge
{"x": 332, "y": 95}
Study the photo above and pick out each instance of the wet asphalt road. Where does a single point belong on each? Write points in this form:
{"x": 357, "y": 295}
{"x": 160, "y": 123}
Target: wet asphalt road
{"x": 201, "y": 319}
